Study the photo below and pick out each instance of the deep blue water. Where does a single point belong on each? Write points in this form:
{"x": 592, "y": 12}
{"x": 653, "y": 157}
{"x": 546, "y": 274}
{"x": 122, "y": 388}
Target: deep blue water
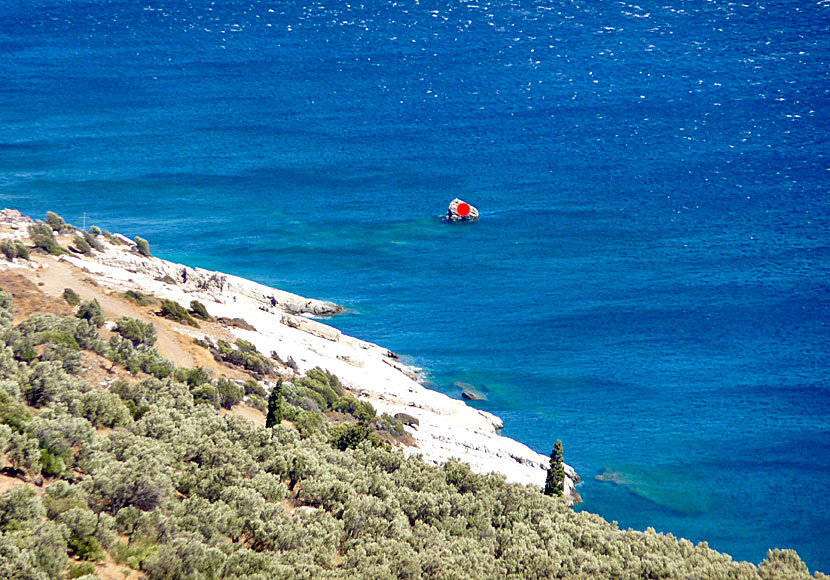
{"x": 649, "y": 279}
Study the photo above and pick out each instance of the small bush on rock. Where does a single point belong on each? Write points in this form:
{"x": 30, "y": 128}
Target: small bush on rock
{"x": 198, "y": 310}
{"x": 81, "y": 245}
{"x": 57, "y": 223}
{"x": 44, "y": 239}
{"x": 143, "y": 247}
{"x": 92, "y": 239}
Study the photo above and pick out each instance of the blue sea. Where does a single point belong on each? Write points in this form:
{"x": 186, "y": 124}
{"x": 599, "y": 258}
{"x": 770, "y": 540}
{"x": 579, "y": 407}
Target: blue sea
{"x": 650, "y": 277}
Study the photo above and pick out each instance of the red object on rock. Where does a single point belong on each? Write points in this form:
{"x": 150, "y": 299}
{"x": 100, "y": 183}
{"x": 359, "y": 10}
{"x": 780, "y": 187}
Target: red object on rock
{"x": 461, "y": 211}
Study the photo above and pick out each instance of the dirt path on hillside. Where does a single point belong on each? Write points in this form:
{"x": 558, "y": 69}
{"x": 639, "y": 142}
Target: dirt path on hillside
{"x": 60, "y": 275}
{"x": 41, "y": 290}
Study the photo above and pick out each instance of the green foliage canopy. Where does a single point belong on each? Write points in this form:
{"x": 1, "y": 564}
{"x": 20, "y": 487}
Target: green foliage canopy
{"x": 198, "y": 495}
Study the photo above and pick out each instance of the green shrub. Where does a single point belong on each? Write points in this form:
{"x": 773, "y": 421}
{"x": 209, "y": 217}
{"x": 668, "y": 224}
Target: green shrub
{"x": 230, "y": 393}
{"x": 23, "y": 453}
{"x": 22, "y": 250}
{"x": 174, "y": 311}
{"x": 43, "y": 238}
{"x": 192, "y": 377}
{"x": 104, "y": 409}
{"x": 92, "y": 239}
{"x": 91, "y": 311}
{"x": 88, "y": 548}
{"x": 137, "y": 297}
{"x": 198, "y": 310}
{"x": 136, "y": 331}
{"x": 6, "y": 309}
{"x": 258, "y": 403}
{"x": 143, "y": 247}
{"x": 14, "y": 249}
{"x": 51, "y": 463}
{"x": 61, "y": 496}
{"x": 305, "y": 398}
{"x": 363, "y": 411}
{"x": 82, "y": 245}
{"x": 290, "y": 412}
{"x": 42, "y": 328}
{"x": 254, "y": 387}
{"x": 328, "y": 394}
{"x": 243, "y": 354}
{"x": 134, "y": 554}
{"x": 390, "y": 424}
{"x": 206, "y": 393}
{"x": 44, "y": 383}
{"x": 71, "y": 297}
{"x": 57, "y": 223}
{"x": 12, "y": 413}
{"x": 308, "y": 423}
{"x": 80, "y": 569}
{"x": 68, "y": 356}
{"x": 326, "y": 378}
{"x": 154, "y": 364}
{"x": 24, "y": 351}
{"x": 348, "y": 435}
{"x": 8, "y": 249}
{"x": 19, "y": 505}
{"x": 95, "y": 230}
{"x": 407, "y": 419}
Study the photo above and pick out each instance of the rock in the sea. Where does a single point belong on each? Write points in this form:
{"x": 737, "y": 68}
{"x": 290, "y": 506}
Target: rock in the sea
{"x": 461, "y": 211}
{"x": 469, "y": 392}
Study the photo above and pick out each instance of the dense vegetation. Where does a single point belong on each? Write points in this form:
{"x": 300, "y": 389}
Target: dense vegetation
{"x": 148, "y": 471}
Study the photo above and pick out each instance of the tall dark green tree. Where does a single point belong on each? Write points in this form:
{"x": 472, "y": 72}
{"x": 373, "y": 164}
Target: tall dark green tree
{"x": 555, "y": 482}
{"x": 274, "y": 416}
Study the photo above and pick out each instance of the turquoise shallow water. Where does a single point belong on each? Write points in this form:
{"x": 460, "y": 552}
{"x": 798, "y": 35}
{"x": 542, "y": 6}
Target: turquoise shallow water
{"x": 649, "y": 279}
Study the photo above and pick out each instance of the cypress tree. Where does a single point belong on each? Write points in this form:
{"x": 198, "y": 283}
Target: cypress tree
{"x": 274, "y": 416}
{"x": 555, "y": 482}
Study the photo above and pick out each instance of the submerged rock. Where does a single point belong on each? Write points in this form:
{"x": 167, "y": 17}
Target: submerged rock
{"x": 469, "y": 392}
{"x": 461, "y": 211}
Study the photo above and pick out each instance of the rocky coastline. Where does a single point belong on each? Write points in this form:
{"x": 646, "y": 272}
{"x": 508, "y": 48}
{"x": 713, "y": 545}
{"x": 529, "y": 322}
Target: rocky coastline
{"x": 280, "y": 322}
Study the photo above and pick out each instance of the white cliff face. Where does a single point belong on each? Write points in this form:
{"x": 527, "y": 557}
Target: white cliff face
{"x": 447, "y": 428}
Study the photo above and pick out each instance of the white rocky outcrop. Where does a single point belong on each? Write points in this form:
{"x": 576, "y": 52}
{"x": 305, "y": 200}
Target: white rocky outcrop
{"x": 446, "y": 428}
{"x": 16, "y": 222}
{"x": 216, "y": 285}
